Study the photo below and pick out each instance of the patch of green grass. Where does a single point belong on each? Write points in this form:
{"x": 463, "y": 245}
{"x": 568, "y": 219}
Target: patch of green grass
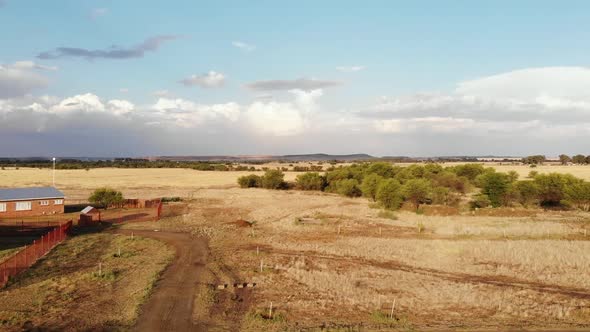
{"x": 261, "y": 317}
{"x": 379, "y": 317}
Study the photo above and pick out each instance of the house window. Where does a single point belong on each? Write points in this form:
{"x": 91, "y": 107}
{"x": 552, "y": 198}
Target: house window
{"x": 23, "y": 206}
{"x": 58, "y": 202}
{"x": 2, "y": 207}
{"x": 44, "y": 203}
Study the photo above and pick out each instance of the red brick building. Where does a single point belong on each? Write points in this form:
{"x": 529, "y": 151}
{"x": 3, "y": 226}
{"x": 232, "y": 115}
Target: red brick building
{"x": 27, "y": 202}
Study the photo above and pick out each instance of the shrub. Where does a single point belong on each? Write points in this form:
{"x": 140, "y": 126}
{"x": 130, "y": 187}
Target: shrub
{"x": 417, "y": 191}
{"x": 310, "y": 181}
{"x": 470, "y": 171}
{"x": 389, "y": 194}
{"x": 452, "y": 181}
{"x": 532, "y": 174}
{"x": 250, "y": 181}
{"x": 552, "y": 187}
{"x": 273, "y": 179}
{"x": 348, "y": 187}
{"x": 370, "y": 184}
{"x": 578, "y": 195}
{"x": 528, "y": 192}
{"x": 494, "y": 186}
{"x": 383, "y": 169}
{"x": 106, "y": 197}
{"x": 480, "y": 201}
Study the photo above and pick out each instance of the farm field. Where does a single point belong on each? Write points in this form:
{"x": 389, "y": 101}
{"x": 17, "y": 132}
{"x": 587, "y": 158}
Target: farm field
{"x": 324, "y": 260}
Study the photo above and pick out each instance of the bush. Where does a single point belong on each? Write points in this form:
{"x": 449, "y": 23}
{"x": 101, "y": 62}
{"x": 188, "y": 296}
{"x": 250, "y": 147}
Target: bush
{"x": 417, "y": 191}
{"x": 494, "y": 186}
{"x": 348, "y": 187}
{"x": 552, "y": 187}
{"x": 106, "y": 197}
{"x": 273, "y": 179}
{"x": 480, "y": 201}
{"x": 370, "y": 185}
{"x": 250, "y": 181}
{"x": 578, "y": 195}
{"x": 389, "y": 194}
{"x": 528, "y": 192}
{"x": 310, "y": 181}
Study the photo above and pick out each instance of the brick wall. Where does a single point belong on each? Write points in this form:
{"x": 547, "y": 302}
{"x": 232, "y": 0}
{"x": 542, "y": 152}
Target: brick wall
{"x": 36, "y": 209}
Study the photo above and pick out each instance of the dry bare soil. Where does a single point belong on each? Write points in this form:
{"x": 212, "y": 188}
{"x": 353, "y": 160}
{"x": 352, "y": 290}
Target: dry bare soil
{"x": 328, "y": 261}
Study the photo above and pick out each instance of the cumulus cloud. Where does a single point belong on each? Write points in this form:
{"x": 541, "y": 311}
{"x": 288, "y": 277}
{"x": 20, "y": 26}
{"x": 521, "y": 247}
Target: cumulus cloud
{"x": 550, "y": 96}
{"x": 243, "y": 46}
{"x": 21, "y": 78}
{"x": 115, "y": 52}
{"x": 305, "y": 84}
{"x": 350, "y": 69}
{"x": 211, "y": 79}
{"x": 283, "y": 118}
{"x": 188, "y": 114}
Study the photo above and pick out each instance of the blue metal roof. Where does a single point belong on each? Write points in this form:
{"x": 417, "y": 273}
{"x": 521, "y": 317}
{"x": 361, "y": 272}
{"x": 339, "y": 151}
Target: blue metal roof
{"x": 19, "y": 194}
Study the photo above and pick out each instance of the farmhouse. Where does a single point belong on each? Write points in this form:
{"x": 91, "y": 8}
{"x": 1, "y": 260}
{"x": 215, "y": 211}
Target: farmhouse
{"x": 27, "y": 202}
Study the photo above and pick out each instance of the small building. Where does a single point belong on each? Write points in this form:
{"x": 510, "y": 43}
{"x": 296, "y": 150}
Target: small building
{"x": 89, "y": 216}
{"x": 29, "y": 202}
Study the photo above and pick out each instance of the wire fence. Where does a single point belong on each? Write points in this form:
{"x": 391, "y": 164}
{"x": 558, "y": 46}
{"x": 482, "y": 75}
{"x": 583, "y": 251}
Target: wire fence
{"x": 26, "y": 257}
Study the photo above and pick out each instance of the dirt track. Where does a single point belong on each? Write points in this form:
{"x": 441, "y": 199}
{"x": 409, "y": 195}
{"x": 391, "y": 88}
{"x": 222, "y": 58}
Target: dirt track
{"x": 170, "y": 307}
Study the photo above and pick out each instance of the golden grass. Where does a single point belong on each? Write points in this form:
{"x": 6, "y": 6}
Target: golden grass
{"x": 144, "y": 183}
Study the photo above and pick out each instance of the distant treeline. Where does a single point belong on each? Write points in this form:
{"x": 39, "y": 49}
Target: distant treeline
{"x": 391, "y": 186}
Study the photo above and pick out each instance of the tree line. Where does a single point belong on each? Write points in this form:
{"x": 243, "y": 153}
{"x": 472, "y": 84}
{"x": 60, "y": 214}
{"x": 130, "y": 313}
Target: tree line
{"x": 391, "y": 186}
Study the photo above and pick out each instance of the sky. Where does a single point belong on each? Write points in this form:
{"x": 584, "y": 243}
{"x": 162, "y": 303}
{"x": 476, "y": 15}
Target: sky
{"x": 101, "y": 78}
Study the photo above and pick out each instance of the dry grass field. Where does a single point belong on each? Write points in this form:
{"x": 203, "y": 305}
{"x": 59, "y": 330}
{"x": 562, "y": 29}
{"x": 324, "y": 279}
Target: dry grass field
{"x": 152, "y": 183}
{"x": 329, "y": 261}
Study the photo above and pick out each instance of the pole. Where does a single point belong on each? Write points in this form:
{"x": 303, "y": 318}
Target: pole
{"x": 54, "y": 171}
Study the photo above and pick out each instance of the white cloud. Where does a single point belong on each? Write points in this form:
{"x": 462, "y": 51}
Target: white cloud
{"x": 283, "y": 118}
{"x": 350, "y": 69}
{"x": 243, "y": 46}
{"x": 187, "y": 114}
{"x": 21, "y": 78}
{"x": 212, "y": 79}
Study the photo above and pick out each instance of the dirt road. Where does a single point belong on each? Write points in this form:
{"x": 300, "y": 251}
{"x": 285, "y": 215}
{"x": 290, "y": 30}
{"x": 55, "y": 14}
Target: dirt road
{"x": 170, "y": 307}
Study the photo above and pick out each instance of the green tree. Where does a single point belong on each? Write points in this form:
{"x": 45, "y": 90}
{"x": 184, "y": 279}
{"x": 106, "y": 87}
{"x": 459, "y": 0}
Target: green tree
{"x": 480, "y": 201}
{"x": 470, "y": 171}
{"x": 381, "y": 168}
{"x": 348, "y": 187}
{"x": 250, "y": 181}
{"x": 528, "y": 192}
{"x": 106, "y": 197}
{"x": 273, "y": 179}
{"x": 310, "y": 181}
{"x": 370, "y": 184}
{"x": 417, "y": 191}
{"x": 579, "y": 159}
{"x": 578, "y": 195}
{"x": 494, "y": 185}
{"x": 552, "y": 187}
{"x": 389, "y": 194}
{"x": 564, "y": 159}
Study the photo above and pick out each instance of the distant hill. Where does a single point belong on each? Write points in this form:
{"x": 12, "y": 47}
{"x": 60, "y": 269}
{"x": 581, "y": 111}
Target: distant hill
{"x": 294, "y": 157}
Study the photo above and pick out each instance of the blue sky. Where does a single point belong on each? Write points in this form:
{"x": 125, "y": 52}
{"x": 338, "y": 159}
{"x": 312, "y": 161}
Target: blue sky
{"x": 368, "y": 62}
